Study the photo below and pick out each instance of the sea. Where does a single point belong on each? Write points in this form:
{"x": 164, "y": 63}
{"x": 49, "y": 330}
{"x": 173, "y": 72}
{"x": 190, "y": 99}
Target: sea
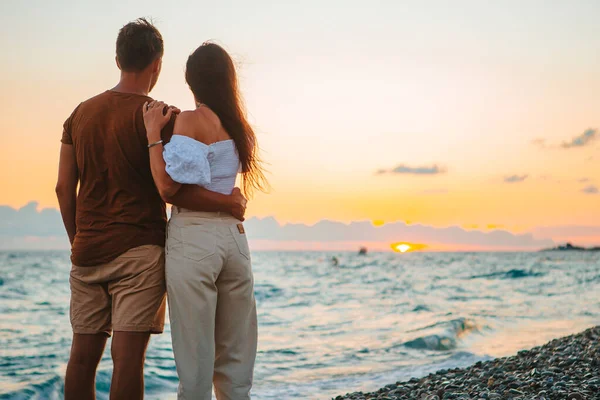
{"x": 326, "y": 329}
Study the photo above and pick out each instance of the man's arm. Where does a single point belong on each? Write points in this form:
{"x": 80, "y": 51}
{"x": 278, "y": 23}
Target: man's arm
{"x": 196, "y": 198}
{"x": 66, "y": 188}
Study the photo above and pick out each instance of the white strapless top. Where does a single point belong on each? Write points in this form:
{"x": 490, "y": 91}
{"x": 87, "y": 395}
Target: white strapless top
{"x": 214, "y": 166}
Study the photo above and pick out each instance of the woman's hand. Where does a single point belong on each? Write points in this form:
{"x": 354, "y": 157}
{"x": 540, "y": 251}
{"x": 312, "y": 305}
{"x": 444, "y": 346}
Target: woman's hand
{"x": 155, "y": 118}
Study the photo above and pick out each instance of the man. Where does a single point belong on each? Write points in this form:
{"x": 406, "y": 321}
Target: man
{"x": 116, "y": 222}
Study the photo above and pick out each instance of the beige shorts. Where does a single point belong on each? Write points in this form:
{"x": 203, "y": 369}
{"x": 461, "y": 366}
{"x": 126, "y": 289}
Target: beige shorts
{"x": 127, "y": 294}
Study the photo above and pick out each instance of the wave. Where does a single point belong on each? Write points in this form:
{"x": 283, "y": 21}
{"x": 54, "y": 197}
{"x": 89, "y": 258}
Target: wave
{"x": 511, "y": 274}
{"x": 421, "y": 307}
{"x": 432, "y": 342}
{"x": 46, "y": 389}
{"x": 266, "y": 291}
{"x": 447, "y": 339}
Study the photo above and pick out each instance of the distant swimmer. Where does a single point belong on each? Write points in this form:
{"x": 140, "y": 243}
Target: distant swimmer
{"x": 335, "y": 261}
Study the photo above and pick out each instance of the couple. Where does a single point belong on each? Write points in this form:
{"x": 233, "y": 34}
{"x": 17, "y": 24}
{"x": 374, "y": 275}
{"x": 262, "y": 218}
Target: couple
{"x": 129, "y": 155}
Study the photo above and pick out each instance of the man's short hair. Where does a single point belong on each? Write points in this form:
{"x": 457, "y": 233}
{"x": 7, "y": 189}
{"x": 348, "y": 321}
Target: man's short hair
{"x": 139, "y": 43}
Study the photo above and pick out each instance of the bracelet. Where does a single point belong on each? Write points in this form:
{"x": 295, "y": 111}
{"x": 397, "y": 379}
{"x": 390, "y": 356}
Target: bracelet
{"x": 154, "y": 144}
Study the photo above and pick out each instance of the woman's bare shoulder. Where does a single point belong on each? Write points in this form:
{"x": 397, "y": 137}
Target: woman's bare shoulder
{"x": 196, "y": 125}
{"x": 185, "y": 123}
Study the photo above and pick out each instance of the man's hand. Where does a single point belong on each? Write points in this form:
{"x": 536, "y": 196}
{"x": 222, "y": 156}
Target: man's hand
{"x": 197, "y": 198}
{"x": 155, "y": 118}
{"x": 238, "y": 204}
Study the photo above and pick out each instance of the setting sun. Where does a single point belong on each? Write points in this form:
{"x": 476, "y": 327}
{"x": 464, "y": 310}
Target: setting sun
{"x": 402, "y": 248}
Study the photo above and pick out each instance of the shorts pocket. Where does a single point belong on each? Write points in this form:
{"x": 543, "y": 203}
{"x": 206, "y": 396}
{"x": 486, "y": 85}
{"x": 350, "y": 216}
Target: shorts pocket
{"x": 199, "y": 241}
{"x": 240, "y": 239}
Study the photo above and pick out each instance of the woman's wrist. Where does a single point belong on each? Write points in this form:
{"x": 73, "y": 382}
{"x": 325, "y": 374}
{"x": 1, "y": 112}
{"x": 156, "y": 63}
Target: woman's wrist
{"x": 155, "y": 144}
{"x": 153, "y": 135}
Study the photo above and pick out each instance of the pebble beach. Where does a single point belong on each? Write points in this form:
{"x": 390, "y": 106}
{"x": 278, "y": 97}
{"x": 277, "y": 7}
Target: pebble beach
{"x": 565, "y": 368}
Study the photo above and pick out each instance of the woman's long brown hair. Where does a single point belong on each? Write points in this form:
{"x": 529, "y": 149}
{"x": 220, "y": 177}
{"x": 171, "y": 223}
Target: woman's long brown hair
{"x": 211, "y": 76}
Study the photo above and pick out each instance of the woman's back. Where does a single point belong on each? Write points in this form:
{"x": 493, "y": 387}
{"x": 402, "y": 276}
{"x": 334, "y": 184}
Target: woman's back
{"x": 202, "y": 153}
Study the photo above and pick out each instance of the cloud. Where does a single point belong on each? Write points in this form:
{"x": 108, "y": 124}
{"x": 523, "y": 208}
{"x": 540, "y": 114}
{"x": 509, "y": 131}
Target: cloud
{"x": 591, "y": 189}
{"x": 567, "y": 230}
{"x": 515, "y": 178}
{"x": 587, "y": 137}
{"x": 576, "y": 234}
{"x": 28, "y": 221}
{"x": 583, "y": 180}
{"x": 357, "y": 232}
{"x": 421, "y": 170}
{"x": 30, "y": 228}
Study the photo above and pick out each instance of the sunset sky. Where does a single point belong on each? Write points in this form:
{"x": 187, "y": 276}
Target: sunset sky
{"x": 469, "y": 113}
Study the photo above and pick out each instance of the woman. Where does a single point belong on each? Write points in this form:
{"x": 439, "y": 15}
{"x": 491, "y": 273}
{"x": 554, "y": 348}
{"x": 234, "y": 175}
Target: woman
{"x": 208, "y": 272}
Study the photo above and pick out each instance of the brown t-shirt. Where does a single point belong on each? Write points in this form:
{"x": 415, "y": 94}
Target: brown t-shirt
{"x": 118, "y": 205}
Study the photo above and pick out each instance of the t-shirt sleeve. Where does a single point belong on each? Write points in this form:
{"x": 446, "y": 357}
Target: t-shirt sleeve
{"x": 67, "y": 137}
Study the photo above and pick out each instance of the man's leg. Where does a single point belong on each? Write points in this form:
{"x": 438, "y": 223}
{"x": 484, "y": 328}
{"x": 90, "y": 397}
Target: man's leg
{"x": 128, "y": 353}
{"x": 91, "y": 322}
{"x": 86, "y": 352}
{"x": 138, "y": 309}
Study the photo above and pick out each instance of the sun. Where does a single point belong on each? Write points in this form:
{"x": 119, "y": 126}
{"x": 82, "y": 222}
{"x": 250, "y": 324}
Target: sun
{"x": 402, "y": 247}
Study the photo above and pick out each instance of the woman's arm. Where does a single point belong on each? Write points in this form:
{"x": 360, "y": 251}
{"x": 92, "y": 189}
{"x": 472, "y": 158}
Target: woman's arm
{"x": 167, "y": 187}
{"x": 155, "y": 121}
{"x": 192, "y": 197}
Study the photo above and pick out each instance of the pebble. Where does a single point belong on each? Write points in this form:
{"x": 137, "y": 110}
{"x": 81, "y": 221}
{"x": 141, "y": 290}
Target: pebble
{"x": 566, "y": 368}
